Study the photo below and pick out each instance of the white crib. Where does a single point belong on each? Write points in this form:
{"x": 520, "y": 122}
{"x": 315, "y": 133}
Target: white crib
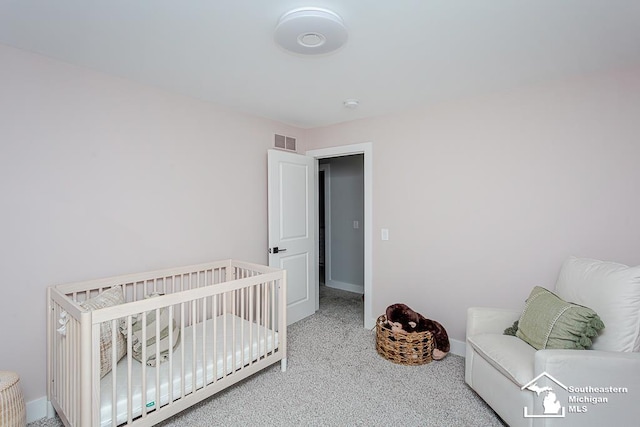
{"x": 228, "y": 318}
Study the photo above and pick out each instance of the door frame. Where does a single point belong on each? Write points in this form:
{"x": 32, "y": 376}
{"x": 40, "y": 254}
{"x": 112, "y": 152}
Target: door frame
{"x": 326, "y": 169}
{"x": 365, "y": 148}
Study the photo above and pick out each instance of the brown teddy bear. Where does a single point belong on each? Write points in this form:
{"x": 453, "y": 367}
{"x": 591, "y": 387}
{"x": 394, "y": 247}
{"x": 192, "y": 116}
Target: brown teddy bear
{"x": 402, "y": 318}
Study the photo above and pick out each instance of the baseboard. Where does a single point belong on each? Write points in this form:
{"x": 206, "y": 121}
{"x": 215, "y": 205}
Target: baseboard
{"x": 349, "y": 287}
{"x": 38, "y": 409}
{"x": 458, "y": 348}
{"x": 370, "y": 324}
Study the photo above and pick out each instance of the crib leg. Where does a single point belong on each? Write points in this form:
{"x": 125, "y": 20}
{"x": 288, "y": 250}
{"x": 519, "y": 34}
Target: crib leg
{"x": 283, "y": 365}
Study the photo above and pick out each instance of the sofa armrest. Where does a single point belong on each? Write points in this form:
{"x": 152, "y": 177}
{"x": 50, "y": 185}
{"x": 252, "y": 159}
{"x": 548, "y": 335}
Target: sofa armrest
{"x": 591, "y": 374}
{"x": 591, "y": 367}
{"x": 482, "y": 320}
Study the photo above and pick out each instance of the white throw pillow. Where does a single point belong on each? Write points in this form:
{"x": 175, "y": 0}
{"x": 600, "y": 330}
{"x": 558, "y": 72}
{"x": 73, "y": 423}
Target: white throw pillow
{"x": 151, "y": 339}
{"x": 613, "y": 291}
{"x": 108, "y": 298}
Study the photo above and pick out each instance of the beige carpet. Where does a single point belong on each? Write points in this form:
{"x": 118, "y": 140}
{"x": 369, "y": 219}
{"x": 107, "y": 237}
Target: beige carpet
{"x": 336, "y": 378}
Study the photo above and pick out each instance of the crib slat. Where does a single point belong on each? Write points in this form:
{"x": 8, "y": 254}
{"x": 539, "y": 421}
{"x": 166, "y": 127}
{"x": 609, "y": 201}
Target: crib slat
{"x": 224, "y": 336}
{"x": 242, "y": 316}
{"x": 251, "y": 314}
{"x": 94, "y": 401}
{"x": 215, "y": 338}
{"x": 265, "y": 317}
{"x": 114, "y": 373}
{"x": 233, "y": 333}
{"x": 194, "y": 360}
{"x": 129, "y": 368}
{"x": 273, "y": 317}
{"x": 182, "y": 369}
{"x": 257, "y": 325}
{"x": 157, "y": 405}
{"x": 143, "y": 401}
{"x": 204, "y": 342}
{"x": 170, "y": 360}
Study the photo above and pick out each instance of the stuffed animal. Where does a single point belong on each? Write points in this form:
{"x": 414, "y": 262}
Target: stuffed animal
{"x": 402, "y": 318}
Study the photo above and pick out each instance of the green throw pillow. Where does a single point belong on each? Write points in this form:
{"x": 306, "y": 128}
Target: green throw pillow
{"x": 549, "y": 322}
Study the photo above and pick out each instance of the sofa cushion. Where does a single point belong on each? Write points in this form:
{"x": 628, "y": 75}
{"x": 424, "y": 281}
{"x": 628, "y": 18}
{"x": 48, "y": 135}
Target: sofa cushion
{"x": 510, "y": 355}
{"x": 550, "y": 322}
{"x": 613, "y": 291}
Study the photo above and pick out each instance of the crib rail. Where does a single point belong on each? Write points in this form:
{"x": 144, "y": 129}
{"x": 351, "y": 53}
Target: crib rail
{"x": 166, "y": 281}
{"x": 212, "y": 309}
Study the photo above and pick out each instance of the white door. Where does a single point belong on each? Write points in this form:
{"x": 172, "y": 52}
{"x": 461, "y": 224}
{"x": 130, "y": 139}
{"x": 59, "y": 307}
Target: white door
{"x": 292, "y": 242}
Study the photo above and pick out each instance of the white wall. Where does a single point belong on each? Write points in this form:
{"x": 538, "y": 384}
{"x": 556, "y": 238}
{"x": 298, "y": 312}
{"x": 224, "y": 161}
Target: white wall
{"x": 484, "y": 198}
{"x": 101, "y": 176}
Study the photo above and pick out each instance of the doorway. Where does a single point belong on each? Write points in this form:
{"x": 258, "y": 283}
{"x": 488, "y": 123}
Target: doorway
{"x": 366, "y": 150}
{"x": 341, "y": 221}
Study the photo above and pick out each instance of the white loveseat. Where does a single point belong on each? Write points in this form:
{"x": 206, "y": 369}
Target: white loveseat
{"x": 595, "y": 387}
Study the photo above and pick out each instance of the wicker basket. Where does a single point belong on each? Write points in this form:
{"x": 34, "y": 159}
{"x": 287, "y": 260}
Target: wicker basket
{"x": 12, "y": 408}
{"x": 404, "y": 348}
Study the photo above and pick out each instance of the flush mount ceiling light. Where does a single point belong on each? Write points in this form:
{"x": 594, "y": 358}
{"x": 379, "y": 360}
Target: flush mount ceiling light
{"x": 310, "y": 31}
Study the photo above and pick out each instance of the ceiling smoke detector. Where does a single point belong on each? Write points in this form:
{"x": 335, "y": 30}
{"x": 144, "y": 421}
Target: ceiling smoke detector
{"x": 310, "y": 31}
{"x": 351, "y": 104}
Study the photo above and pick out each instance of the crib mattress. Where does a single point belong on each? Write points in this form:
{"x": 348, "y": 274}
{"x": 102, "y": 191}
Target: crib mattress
{"x": 246, "y": 350}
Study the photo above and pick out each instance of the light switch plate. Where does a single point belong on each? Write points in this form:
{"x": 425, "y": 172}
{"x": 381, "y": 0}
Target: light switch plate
{"x": 384, "y": 234}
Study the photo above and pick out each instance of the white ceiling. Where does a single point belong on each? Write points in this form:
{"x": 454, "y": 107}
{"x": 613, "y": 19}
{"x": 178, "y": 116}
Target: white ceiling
{"x": 401, "y": 54}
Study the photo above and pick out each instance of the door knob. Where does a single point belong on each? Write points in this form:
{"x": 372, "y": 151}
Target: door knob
{"x": 276, "y": 250}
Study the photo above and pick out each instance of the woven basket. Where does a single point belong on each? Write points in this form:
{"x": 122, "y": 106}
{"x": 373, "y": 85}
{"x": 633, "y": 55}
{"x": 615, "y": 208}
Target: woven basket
{"x": 404, "y": 348}
{"x": 12, "y": 409}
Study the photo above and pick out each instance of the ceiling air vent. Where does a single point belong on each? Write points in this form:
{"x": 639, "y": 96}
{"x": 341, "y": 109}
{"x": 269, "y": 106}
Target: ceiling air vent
{"x": 285, "y": 142}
